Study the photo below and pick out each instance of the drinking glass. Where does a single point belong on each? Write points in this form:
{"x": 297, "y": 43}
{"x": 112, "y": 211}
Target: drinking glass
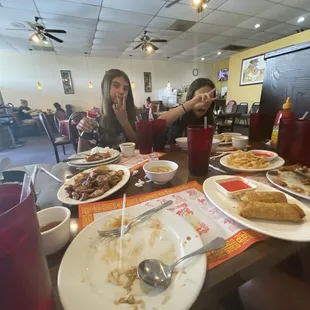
{"x": 285, "y": 138}
{"x": 159, "y": 134}
{"x": 199, "y": 147}
{"x": 24, "y": 277}
{"x": 145, "y": 137}
{"x": 300, "y": 145}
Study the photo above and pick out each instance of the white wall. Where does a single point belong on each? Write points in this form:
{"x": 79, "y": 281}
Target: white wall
{"x": 18, "y": 78}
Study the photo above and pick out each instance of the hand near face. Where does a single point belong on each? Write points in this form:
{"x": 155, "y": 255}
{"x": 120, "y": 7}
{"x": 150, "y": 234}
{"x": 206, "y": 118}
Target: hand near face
{"x": 203, "y": 101}
{"x": 120, "y": 109}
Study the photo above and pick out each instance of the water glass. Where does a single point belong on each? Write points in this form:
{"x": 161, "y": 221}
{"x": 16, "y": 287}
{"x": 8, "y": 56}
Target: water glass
{"x": 24, "y": 280}
{"x": 199, "y": 149}
{"x": 145, "y": 136}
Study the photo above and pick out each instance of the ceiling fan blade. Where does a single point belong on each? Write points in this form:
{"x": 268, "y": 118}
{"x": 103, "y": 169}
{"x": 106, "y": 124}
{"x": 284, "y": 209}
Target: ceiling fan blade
{"x": 32, "y": 25}
{"x": 155, "y": 48}
{"x": 55, "y": 30}
{"x": 53, "y": 38}
{"x": 172, "y": 3}
{"x": 18, "y": 29}
{"x": 158, "y": 41}
{"x": 137, "y": 46}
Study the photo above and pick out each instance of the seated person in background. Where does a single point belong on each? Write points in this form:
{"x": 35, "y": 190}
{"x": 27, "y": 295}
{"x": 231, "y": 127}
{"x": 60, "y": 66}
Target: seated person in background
{"x": 117, "y": 123}
{"x": 197, "y": 106}
{"x": 24, "y": 112}
{"x": 148, "y": 102}
{"x": 58, "y": 107}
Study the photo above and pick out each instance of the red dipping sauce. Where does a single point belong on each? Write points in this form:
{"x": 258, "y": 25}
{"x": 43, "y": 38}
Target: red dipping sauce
{"x": 263, "y": 154}
{"x": 235, "y": 185}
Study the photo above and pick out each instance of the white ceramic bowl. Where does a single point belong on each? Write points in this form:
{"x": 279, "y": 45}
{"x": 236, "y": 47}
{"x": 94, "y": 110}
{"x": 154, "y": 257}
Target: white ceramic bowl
{"x": 239, "y": 142}
{"x": 182, "y": 143}
{"x": 215, "y": 144}
{"x": 57, "y": 237}
{"x": 160, "y": 177}
{"x": 128, "y": 149}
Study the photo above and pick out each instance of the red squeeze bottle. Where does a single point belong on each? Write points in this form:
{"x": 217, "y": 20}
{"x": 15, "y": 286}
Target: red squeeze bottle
{"x": 286, "y": 113}
{"x": 92, "y": 136}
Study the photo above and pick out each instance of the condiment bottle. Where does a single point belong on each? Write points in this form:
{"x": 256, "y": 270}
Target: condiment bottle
{"x": 92, "y": 136}
{"x": 286, "y": 113}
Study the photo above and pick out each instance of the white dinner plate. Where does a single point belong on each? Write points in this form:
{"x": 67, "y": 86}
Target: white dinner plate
{"x": 89, "y": 165}
{"x": 275, "y": 164}
{"x": 281, "y": 230}
{"x": 286, "y": 189}
{"x": 85, "y": 266}
{"x": 62, "y": 195}
{"x": 114, "y": 154}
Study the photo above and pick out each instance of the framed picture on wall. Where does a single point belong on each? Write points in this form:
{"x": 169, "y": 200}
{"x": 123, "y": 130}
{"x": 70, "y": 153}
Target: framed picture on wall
{"x": 147, "y": 82}
{"x": 67, "y": 82}
{"x": 252, "y": 70}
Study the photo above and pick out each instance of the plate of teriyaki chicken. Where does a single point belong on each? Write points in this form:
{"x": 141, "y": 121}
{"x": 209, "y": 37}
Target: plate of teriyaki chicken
{"x": 93, "y": 184}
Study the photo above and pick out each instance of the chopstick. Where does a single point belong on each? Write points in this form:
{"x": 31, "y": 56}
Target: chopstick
{"x": 217, "y": 169}
{"x": 122, "y": 231}
{"x": 51, "y": 175}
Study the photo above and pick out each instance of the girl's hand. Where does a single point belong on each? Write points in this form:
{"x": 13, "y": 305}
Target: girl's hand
{"x": 85, "y": 124}
{"x": 201, "y": 101}
{"x": 120, "y": 109}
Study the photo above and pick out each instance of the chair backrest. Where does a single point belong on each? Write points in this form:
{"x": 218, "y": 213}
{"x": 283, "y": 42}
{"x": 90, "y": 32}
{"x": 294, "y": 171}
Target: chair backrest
{"x": 242, "y": 108}
{"x": 68, "y": 110}
{"x": 231, "y": 106}
{"x": 46, "y": 126}
{"x": 59, "y": 116}
{"x": 9, "y": 109}
{"x": 255, "y": 107}
{"x": 74, "y": 119}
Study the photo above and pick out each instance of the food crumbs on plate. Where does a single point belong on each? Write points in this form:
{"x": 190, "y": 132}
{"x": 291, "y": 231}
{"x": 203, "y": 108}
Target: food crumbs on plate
{"x": 188, "y": 238}
{"x": 165, "y": 300}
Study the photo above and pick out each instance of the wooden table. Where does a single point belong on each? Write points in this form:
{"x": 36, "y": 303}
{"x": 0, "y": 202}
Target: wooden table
{"x": 220, "y": 280}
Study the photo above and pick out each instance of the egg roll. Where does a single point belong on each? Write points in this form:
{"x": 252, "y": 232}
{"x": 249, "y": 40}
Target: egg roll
{"x": 271, "y": 197}
{"x": 271, "y": 211}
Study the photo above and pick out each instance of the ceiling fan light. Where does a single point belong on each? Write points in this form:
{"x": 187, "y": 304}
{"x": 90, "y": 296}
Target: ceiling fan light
{"x": 196, "y": 2}
{"x": 35, "y": 38}
{"x": 204, "y": 5}
{"x": 149, "y": 48}
{"x": 39, "y": 86}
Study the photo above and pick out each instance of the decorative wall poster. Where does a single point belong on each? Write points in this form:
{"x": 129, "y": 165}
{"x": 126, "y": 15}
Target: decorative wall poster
{"x": 148, "y": 82}
{"x": 252, "y": 70}
{"x": 67, "y": 81}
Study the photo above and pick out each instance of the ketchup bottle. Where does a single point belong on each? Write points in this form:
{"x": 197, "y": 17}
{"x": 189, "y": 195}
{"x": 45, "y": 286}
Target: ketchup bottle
{"x": 286, "y": 113}
{"x": 93, "y": 135}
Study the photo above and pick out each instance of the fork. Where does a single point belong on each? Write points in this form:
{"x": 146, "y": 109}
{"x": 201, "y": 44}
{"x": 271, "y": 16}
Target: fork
{"x": 115, "y": 233}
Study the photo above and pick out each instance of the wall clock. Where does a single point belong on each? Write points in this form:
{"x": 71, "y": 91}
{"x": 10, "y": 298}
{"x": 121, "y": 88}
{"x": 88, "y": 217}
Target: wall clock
{"x": 195, "y": 72}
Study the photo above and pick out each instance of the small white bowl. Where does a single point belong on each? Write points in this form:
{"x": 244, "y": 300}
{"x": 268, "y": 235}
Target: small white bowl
{"x": 182, "y": 143}
{"x": 231, "y": 194}
{"x": 55, "y": 238}
{"x": 270, "y": 156}
{"x": 160, "y": 177}
{"x": 215, "y": 144}
{"x": 239, "y": 142}
{"x": 128, "y": 149}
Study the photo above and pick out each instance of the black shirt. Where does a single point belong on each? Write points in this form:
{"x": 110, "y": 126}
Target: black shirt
{"x": 22, "y": 115}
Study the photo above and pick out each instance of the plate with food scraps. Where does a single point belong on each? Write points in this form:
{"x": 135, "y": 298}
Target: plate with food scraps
{"x": 297, "y": 226}
{"x": 289, "y": 181}
{"x": 248, "y": 162}
{"x": 93, "y": 184}
{"x": 89, "y": 165}
{"x": 226, "y": 137}
{"x": 105, "y": 276}
{"x": 94, "y": 156}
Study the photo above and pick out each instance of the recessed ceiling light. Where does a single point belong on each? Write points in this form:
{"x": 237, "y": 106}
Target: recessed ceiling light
{"x": 202, "y": 58}
{"x": 300, "y": 19}
{"x": 219, "y": 53}
{"x": 257, "y": 26}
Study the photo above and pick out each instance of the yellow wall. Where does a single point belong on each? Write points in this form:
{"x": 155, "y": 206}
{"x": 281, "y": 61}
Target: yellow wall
{"x": 252, "y": 93}
{"x": 224, "y": 64}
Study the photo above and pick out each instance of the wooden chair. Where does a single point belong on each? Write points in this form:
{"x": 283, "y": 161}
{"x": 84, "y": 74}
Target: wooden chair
{"x": 55, "y": 141}
{"x": 74, "y": 119}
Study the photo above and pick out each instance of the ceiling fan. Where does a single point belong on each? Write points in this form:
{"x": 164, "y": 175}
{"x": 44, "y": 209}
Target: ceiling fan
{"x": 147, "y": 43}
{"x": 40, "y": 33}
{"x": 200, "y": 5}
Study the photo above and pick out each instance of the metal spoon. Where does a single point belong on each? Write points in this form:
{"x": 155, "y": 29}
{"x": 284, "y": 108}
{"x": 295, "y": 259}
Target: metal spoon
{"x": 157, "y": 274}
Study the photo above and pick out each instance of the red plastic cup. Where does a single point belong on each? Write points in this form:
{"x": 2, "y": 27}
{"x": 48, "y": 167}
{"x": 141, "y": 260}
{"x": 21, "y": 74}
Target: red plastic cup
{"x": 285, "y": 138}
{"x": 300, "y": 145}
{"x": 199, "y": 149}
{"x": 159, "y": 135}
{"x": 145, "y": 136}
{"x": 24, "y": 280}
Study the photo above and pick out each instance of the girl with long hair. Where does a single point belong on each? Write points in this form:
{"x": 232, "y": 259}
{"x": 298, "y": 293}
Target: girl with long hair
{"x": 117, "y": 123}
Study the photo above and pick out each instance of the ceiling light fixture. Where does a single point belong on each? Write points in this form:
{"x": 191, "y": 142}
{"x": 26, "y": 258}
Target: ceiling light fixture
{"x": 44, "y": 40}
{"x": 39, "y": 85}
{"x": 300, "y": 19}
{"x": 90, "y": 84}
{"x": 196, "y": 2}
{"x": 219, "y": 53}
{"x": 202, "y": 58}
{"x": 200, "y": 5}
{"x": 35, "y": 38}
{"x": 168, "y": 85}
{"x": 257, "y": 26}
{"x": 149, "y": 48}
{"x": 131, "y": 72}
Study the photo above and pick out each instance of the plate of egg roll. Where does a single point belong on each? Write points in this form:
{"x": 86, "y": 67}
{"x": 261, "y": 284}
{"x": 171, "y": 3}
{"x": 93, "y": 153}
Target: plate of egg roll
{"x": 264, "y": 209}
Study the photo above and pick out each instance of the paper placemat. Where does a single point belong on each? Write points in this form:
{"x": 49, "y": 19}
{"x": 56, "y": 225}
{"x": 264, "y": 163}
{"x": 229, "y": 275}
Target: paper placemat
{"x": 189, "y": 202}
{"x": 138, "y": 160}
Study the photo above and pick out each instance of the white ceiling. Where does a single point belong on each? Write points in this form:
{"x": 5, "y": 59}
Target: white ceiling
{"x": 104, "y": 27}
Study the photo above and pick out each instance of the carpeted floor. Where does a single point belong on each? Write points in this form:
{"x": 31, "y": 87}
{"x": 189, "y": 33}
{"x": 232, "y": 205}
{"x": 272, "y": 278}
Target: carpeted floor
{"x": 37, "y": 150}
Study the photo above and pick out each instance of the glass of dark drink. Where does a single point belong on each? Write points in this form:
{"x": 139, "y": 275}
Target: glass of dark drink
{"x": 145, "y": 136}
{"x": 159, "y": 134}
{"x": 24, "y": 277}
{"x": 199, "y": 149}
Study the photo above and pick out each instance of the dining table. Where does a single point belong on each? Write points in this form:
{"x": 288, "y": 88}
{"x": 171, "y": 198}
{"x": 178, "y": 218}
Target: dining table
{"x": 219, "y": 281}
